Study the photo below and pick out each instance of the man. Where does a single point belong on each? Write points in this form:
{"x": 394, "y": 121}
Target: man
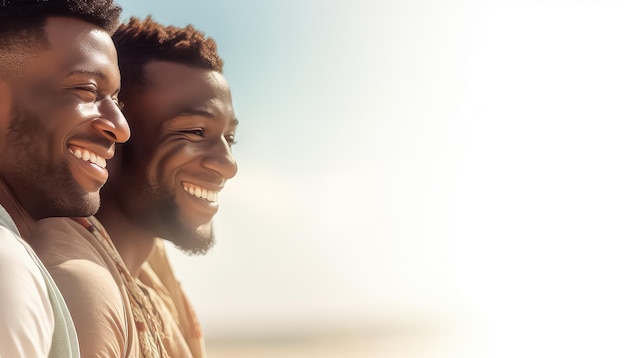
{"x": 164, "y": 185}
{"x": 59, "y": 120}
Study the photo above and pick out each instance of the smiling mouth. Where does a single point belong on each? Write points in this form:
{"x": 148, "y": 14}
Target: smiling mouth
{"x": 88, "y": 156}
{"x": 200, "y": 192}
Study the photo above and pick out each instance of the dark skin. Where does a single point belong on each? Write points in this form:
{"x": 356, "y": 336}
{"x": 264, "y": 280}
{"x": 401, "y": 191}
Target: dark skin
{"x": 61, "y": 105}
{"x": 179, "y": 159}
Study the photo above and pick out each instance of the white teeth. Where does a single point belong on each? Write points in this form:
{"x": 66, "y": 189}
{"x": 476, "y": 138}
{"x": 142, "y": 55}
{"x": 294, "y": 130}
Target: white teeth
{"x": 92, "y": 157}
{"x": 200, "y": 193}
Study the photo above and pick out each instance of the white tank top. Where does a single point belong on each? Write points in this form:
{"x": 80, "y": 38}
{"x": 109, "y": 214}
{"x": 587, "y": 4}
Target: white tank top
{"x": 64, "y": 338}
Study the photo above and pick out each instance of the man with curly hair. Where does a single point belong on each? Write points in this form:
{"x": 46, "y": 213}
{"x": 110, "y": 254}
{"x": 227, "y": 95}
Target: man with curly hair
{"x": 164, "y": 184}
{"x": 60, "y": 120}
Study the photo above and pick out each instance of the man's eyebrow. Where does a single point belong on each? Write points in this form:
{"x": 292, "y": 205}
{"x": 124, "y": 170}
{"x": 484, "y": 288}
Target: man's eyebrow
{"x": 86, "y": 72}
{"x": 199, "y": 112}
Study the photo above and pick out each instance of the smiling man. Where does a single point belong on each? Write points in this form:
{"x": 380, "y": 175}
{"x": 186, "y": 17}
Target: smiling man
{"x": 59, "y": 119}
{"x": 164, "y": 184}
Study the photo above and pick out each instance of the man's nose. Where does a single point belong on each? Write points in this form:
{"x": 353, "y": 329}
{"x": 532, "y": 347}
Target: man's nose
{"x": 219, "y": 158}
{"x": 112, "y": 123}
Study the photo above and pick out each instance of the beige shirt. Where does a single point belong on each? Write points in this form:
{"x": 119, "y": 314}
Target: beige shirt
{"x": 157, "y": 274}
{"x": 91, "y": 286}
{"x": 94, "y": 291}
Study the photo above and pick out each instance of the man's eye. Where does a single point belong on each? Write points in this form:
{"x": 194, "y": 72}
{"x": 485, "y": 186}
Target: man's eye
{"x": 118, "y": 103}
{"x": 88, "y": 91}
{"x": 230, "y": 139}
{"x": 197, "y": 132}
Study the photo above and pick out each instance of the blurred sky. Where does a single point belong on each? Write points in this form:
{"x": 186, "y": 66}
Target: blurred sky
{"x": 408, "y": 163}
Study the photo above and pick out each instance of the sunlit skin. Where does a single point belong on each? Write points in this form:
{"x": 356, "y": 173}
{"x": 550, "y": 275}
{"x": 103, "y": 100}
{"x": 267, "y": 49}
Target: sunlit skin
{"x": 63, "y": 105}
{"x": 167, "y": 179}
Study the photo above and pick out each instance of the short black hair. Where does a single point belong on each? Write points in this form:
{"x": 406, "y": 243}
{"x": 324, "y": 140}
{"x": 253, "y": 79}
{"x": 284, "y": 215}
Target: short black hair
{"x": 23, "y": 21}
{"x": 141, "y": 41}
{"x": 22, "y": 25}
{"x": 102, "y": 13}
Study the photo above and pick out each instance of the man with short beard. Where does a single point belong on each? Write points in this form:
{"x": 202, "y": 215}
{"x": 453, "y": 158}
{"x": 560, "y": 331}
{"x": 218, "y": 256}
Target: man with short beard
{"x": 164, "y": 185}
{"x": 59, "y": 122}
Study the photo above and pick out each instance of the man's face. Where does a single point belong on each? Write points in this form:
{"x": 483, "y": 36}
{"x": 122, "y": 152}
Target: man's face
{"x": 63, "y": 122}
{"x": 180, "y": 155}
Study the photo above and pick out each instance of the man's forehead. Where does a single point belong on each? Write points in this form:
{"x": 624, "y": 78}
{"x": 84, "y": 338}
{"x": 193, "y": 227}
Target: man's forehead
{"x": 66, "y": 32}
{"x": 77, "y": 46}
{"x": 167, "y": 73}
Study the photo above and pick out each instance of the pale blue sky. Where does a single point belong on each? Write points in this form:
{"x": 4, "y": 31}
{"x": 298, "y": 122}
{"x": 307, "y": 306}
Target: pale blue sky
{"x": 412, "y": 161}
{"x": 326, "y": 93}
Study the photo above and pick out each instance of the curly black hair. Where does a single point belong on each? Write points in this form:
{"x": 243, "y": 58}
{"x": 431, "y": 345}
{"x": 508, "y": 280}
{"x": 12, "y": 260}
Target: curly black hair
{"x": 139, "y": 42}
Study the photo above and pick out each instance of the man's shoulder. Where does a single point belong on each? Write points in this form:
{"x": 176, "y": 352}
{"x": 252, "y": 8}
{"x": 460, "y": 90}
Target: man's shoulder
{"x": 89, "y": 281}
{"x": 14, "y": 256}
{"x": 60, "y": 240}
{"x": 27, "y": 317}
{"x": 74, "y": 257}
{"x": 13, "y": 252}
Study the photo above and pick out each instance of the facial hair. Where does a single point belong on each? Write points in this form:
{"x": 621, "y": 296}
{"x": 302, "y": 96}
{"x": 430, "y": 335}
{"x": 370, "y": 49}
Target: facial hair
{"x": 48, "y": 184}
{"x": 163, "y": 217}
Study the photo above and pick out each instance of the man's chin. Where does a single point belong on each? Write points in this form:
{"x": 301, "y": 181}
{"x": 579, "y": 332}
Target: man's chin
{"x": 89, "y": 205}
{"x": 195, "y": 242}
{"x": 85, "y": 205}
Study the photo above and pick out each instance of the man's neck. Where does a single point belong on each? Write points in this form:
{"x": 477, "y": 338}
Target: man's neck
{"x": 11, "y": 204}
{"x": 132, "y": 242}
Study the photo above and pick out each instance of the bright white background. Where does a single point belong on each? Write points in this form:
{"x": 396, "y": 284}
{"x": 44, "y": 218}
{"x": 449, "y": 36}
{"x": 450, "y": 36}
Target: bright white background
{"x": 436, "y": 166}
